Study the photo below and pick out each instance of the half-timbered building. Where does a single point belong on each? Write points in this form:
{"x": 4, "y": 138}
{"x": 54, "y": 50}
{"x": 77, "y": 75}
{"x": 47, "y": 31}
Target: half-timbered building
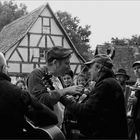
{"x": 25, "y": 41}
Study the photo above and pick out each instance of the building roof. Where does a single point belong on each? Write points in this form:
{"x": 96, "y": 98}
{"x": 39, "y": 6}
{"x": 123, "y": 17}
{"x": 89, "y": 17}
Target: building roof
{"x": 16, "y": 30}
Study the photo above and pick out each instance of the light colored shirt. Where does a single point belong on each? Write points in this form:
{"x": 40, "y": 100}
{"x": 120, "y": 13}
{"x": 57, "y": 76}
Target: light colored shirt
{"x": 58, "y": 107}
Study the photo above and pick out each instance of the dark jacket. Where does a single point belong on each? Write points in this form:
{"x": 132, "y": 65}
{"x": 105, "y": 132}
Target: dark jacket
{"x": 37, "y": 87}
{"x": 14, "y": 105}
{"x": 103, "y": 115}
{"x": 137, "y": 113}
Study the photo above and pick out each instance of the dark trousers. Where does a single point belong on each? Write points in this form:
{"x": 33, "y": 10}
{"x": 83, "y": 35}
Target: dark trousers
{"x": 131, "y": 128}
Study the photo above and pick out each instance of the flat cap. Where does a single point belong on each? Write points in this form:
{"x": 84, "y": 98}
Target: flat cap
{"x": 58, "y": 53}
{"x": 102, "y": 59}
{"x": 136, "y": 63}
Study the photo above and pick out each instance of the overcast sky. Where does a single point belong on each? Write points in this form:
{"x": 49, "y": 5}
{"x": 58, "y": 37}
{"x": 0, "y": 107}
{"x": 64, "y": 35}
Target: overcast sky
{"x": 107, "y": 18}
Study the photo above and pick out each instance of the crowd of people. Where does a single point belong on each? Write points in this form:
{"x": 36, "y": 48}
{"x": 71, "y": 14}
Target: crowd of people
{"x": 102, "y": 106}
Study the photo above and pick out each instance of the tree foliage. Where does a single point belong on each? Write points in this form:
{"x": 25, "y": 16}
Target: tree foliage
{"x": 10, "y": 11}
{"x": 78, "y": 34}
{"x": 133, "y": 41}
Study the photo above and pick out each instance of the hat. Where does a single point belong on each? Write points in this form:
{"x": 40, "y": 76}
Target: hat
{"x": 58, "y": 53}
{"x": 122, "y": 72}
{"x": 102, "y": 59}
{"x": 136, "y": 63}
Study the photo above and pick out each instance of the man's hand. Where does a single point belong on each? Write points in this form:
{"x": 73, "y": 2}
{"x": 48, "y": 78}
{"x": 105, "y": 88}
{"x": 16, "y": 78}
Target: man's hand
{"x": 72, "y": 90}
{"x": 77, "y": 89}
{"x": 132, "y": 100}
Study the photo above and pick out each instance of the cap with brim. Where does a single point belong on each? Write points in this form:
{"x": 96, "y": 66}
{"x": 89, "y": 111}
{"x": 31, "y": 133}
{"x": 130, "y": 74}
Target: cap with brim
{"x": 102, "y": 59}
{"x": 136, "y": 63}
{"x": 58, "y": 53}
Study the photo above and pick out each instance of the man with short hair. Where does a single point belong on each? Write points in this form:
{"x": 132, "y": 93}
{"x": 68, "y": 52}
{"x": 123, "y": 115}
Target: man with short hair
{"x": 15, "y": 104}
{"x": 102, "y": 115}
{"x": 45, "y": 85}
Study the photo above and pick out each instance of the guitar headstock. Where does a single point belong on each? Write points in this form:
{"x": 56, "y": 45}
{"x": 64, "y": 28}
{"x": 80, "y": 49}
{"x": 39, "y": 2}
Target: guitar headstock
{"x": 47, "y": 81}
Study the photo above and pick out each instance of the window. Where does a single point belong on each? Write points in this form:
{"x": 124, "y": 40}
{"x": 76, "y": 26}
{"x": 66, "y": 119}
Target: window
{"x": 46, "y": 22}
{"x": 46, "y": 29}
{"x": 42, "y": 53}
{"x": 46, "y": 25}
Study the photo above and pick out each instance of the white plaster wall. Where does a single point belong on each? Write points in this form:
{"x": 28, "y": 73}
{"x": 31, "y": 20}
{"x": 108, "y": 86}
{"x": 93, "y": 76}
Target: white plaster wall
{"x": 27, "y": 68}
{"x": 15, "y": 57}
{"x": 8, "y": 53}
{"x": 74, "y": 59}
{"x": 41, "y": 65}
{"x": 34, "y": 52}
{"x": 42, "y": 42}
{"x": 14, "y": 67}
{"x": 24, "y": 53}
{"x": 78, "y": 69}
{"x": 24, "y": 41}
{"x": 46, "y": 12}
{"x": 66, "y": 45}
{"x": 57, "y": 40}
{"x": 54, "y": 28}
{"x": 36, "y": 28}
{"x": 34, "y": 39}
{"x": 49, "y": 42}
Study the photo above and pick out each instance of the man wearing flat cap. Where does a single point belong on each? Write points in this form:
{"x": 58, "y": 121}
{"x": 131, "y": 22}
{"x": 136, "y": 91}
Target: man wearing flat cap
{"x": 133, "y": 108}
{"x": 103, "y": 114}
{"x": 44, "y": 84}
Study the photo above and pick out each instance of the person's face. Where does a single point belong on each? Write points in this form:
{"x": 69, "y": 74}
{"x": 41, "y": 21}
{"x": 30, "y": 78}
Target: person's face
{"x": 67, "y": 80}
{"x": 4, "y": 69}
{"x": 81, "y": 81}
{"x": 21, "y": 85}
{"x": 62, "y": 66}
{"x": 137, "y": 71}
{"x": 121, "y": 78}
{"x": 93, "y": 71}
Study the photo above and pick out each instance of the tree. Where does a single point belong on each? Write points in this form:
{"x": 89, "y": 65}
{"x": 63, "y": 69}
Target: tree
{"x": 117, "y": 41}
{"x": 78, "y": 34}
{"x": 133, "y": 41}
{"x": 9, "y": 11}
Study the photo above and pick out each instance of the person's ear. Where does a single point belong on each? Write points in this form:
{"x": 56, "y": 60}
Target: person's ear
{"x": 3, "y": 69}
{"x": 54, "y": 61}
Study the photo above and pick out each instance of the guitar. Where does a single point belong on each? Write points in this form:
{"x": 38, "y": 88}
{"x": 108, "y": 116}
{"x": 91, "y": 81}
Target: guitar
{"x": 53, "y": 131}
{"x": 47, "y": 81}
{"x": 50, "y": 132}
